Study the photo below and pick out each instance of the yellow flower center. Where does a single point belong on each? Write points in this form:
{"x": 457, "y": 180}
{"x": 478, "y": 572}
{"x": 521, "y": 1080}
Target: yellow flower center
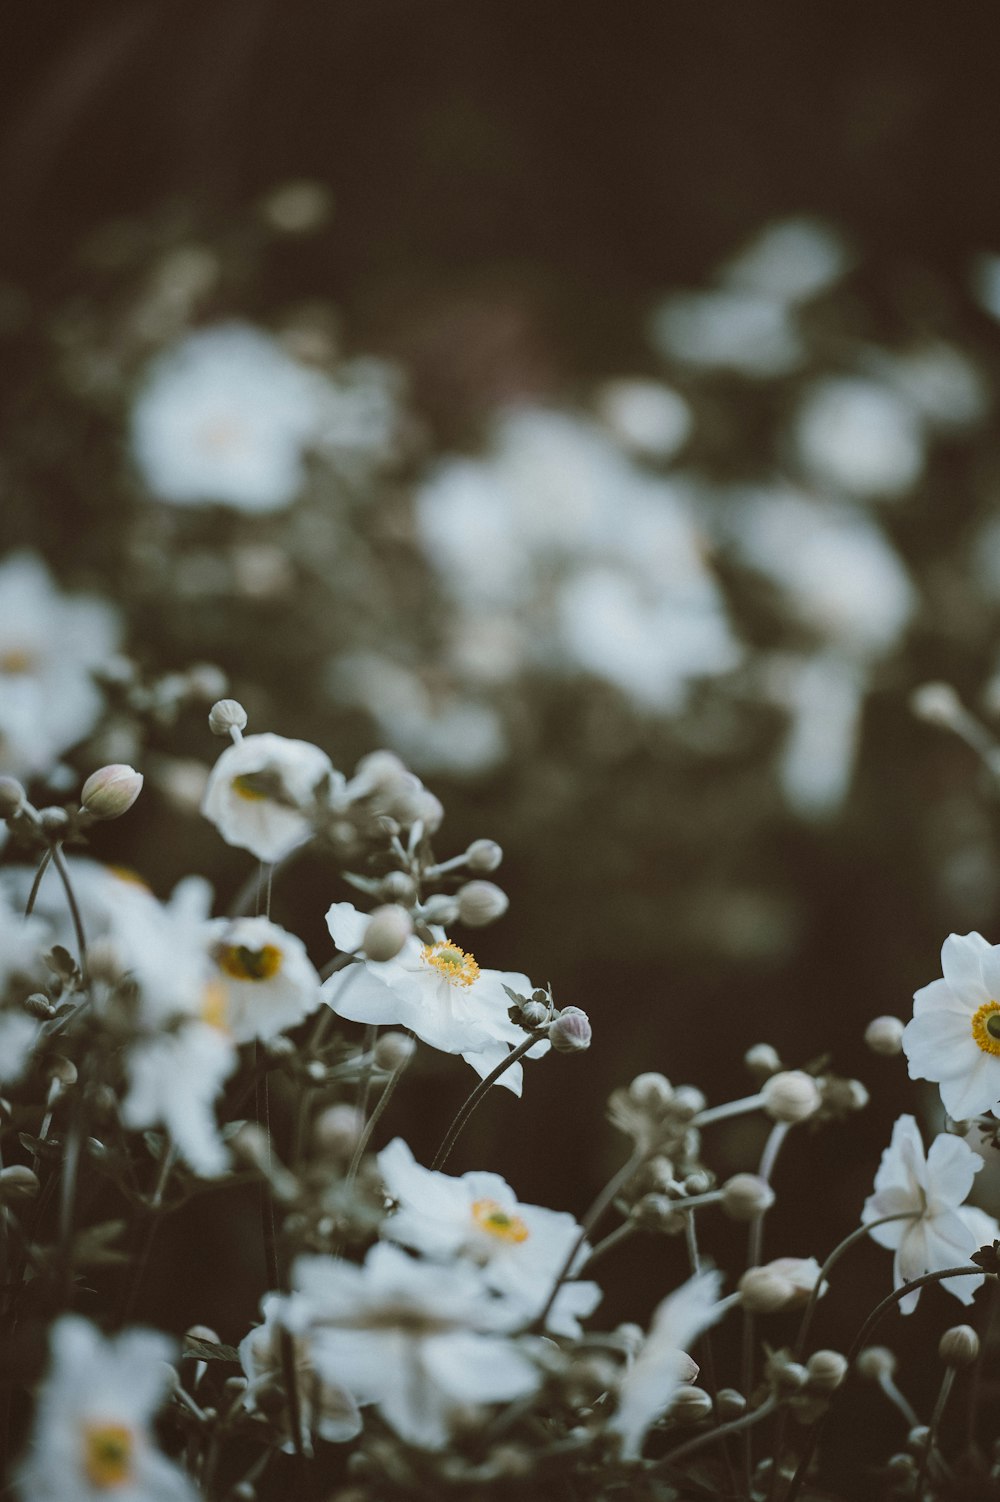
{"x": 247, "y": 785}
{"x": 249, "y": 964}
{"x": 16, "y": 660}
{"x": 457, "y": 967}
{"x": 213, "y": 1006}
{"x": 986, "y": 1027}
{"x": 498, "y": 1222}
{"x": 129, "y": 877}
{"x": 107, "y": 1454}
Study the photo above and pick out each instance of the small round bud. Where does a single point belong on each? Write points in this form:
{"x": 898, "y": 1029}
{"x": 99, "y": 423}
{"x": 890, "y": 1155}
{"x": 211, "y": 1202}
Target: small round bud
{"x": 535, "y": 1013}
{"x": 38, "y": 1005}
{"x": 651, "y": 1091}
{"x": 730, "y": 1404}
{"x": 937, "y": 703}
{"x": 698, "y": 1182}
{"x": 875, "y": 1363}
{"x": 787, "y": 1375}
{"x": 440, "y": 909}
{"x": 393, "y": 1050}
{"x": 225, "y": 716}
{"x": 570, "y": 1032}
{"x": 959, "y": 1346}
{"x": 884, "y": 1035}
{"x": 398, "y": 886}
{"x": 205, "y": 681}
{"x": 387, "y": 931}
{"x": 202, "y": 1332}
{"x": 337, "y": 1129}
{"x": 746, "y": 1195}
{"x": 689, "y": 1101}
{"x": 481, "y": 902}
{"x": 690, "y": 1405}
{"x": 827, "y": 1370}
{"x": 63, "y": 1070}
{"x": 483, "y": 856}
{"x": 790, "y": 1096}
{"x": 429, "y": 810}
{"x": 111, "y": 791}
{"x": 12, "y": 797}
{"x": 54, "y": 821}
{"x": 762, "y": 1060}
{"x": 18, "y": 1182}
{"x": 764, "y": 1291}
{"x": 658, "y": 1212}
{"x": 917, "y": 1438}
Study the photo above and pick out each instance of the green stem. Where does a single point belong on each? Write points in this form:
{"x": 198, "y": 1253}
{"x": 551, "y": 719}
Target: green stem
{"x": 700, "y": 1441}
{"x": 472, "y": 1101}
{"x": 373, "y": 1120}
{"x": 755, "y": 1243}
{"x": 614, "y": 1238}
{"x": 74, "y": 911}
{"x": 857, "y": 1235}
{"x": 947, "y": 1383}
{"x": 43, "y": 866}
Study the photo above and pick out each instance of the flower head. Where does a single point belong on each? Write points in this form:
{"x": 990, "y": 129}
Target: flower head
{"x": 325, "y": 1408}
{"x": 267, "y": 980}
{"x": 261, "y": 791}
{"x": 954, "y": 1036}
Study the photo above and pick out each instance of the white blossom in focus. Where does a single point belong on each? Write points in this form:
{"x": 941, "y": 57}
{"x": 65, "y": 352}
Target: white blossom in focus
{"x": 261, "y": 791}
{"x": 326, "y": 1408}
{"x": 859, "y": 437}
{"x": 268, "y": 982}
{"x": 954, "y": 1035}
{"x": 92, "y": 1437}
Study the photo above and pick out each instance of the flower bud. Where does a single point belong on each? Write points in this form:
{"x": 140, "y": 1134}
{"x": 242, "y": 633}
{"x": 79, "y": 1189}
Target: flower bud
{"x": 12, "y": 797}
{"x": 790, "y": 1096}
{"x": 875, "y": 1363}
{"x": 393, "y": 1050}
{"x": 651, "y": 1091}
{"x": 225, "y": 716}
{"x": 382, "y": 770}
{"x": 440, "y": 909}
{"x": 54, "y": 821}
{"x": 690, "y": 1405}
{"x": 746, "y": 1195}
{"x": 337, "y": 1129}
{"x": 730, "y": 1404}
{"x": 18, "y": 1182}
{"x": 827, "y": 1370}
{"x": 481, "y": 902}
{"x": 698, "y": 1182}
{"x": 483, "y": 856}
{"x": 38, "y": 1006}
{"x": 884, "y": 1035}
{"x": 398, "y": 886}
{"x": 386, "y": 932}
{"x": 570, "y": 1032}
{"x": 959, "y": 1346}
{"x": 534, "y": 1013}
{"x": 202, "y": 1332}
{"x": 937, "y": 703}
{"x": 917, "y": 1438}
{"x": 658, "y": 1212}
{"x": 762, "y": 1060}
{"x": 63, "y": 1070}
{"x": 429, "y": 810}
{"x": 764, "y": 1291}
{"x": 787, "y": 1375}
{"x": 111, "y": 792}
{"x": 689, "y": 1101}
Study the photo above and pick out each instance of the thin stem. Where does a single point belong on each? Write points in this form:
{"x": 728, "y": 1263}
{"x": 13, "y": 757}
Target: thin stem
{"x": 731, "y": 1108}
{"x": 74, "y": 911}
{"x": 976, "y": 1384}
{"x": 67, "y": 1195}
{"x": 700, "y": 1441}
{"x": 755, "y": 1243}
{"x": 373, "y": 1120}
{"x": 43, "y": 866}
{"x": 614, "y": 1238}
{"x": 947, "y": 1383}
{"x": 365, "y": 1082}
{"x": 156, "y": 1212}
{"x": 473, "y": 1100}
{"x": 899, "y": 1400}
{"x": 857, "y": 1235}
{"x": 705, "y": 1340}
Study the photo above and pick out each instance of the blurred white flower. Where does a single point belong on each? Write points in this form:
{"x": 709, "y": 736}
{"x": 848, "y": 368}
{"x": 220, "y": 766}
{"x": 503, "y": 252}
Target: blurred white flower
{"x": 647, "y": 418}
{"x": 858, "y": 437}
{"x": 49, "y": 645}
{"x": 521, "y": 1248}
{"x": 18, "y": 1036}
{"x": 359, "y": 414}
{"x": 943, "y": 385}
{"x": 930, "y": 1189}
{"x": 422, "y": 1344}
{"x": 791, "y": 261}
{"x": 92, "y": 1435}
{"x": 261, "y": 791}
{"x": 436, "y": 990}
{"x": 729, "y": 329}
{"x": 267, "y": 980}
{"x": 326, "y": 1408}
{"x": 954, "y": 1035}
{"x": 226, "y": 415}
{"x": 662, "y": 1363}
{"x": 823, "y": 696}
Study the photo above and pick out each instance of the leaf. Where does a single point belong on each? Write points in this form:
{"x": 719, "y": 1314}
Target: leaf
{"x": 208, "y": 1350}
{"x": 47, "y": 1148}
{"x": 60, "y": 962}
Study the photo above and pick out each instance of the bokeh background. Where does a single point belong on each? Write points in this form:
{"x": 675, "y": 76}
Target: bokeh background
{"x": 658, "y": 348}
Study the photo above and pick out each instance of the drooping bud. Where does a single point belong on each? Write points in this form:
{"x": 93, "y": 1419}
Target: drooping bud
{"x": 570, "y": 1032}
{"x": 111, "y": 791}
{"x": 483, "y": 856}
{"x": 227, "y": 715}
{"x": 481, "y": 902}
{"x": 54, "y": 821}
{"x": 746, "y": 1195}
{"x": 884, "y": 1035}
{"x": 12, "y": 797}
{"x": 790, "y": 1096}
{"x": 959, "y": 1346}
{"x": 764, "y": 1291}
{"x": 393, "y": 1050}
{"x": 386, "y": 932}
{"x": 690, "y": 1405}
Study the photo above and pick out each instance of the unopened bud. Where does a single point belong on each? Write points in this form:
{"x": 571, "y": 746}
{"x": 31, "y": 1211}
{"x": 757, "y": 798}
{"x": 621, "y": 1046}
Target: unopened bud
{"x": 570, "y": 1032}
{"x": 429, "y": 810}
{"x": 875, "y": 1363}
{"x": 651, "y": 1091}
{"x": 63, "y": 1070}
{"x": 397, "y": 886}
{"x": 959, "y": 1346}
{"x": 202, "y": 1332}
{"x": 225, "y": 716}
{"x": 787, "y": 1375}
{"x": 535, "y": 1013}
{"x": 690, "y": 1405}
{"x": 884, "y": 1035}
{"x": 762, "y": 1060}
{"x": 387, "y": 931}
{"x": 698, "y": 1182}
{"x": 38, "y": 1005}
{"x": 54, "y": 821}
{"x": 337, "y": 1129}
{"x": 18, "y": 1182}
{"x": 746, "y": 1195}
{"x": 12, "y": 797}
{"x": 730, "y": 1404}
{"x": 658, "y": 1212}
{"x": 483, "y": 856}
{"x": 481, "y": 902}
{"x": 393, "y": 1050}
{"x": 764, "y": 1291}
{"x": 790, "y": 1096}
{"x": 440, "y": 909}
{"x": 111, "y": 791}
{"x": 827, "y": 1370}
{"x": 689, "y": 1101}
{"x": 937, "y": 703}
{"x": 917, "y": 1438}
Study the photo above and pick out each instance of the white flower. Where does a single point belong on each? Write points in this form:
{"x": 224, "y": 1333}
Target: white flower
{"x": 92, "y": 1436}
{"x": 729, "y": 329}
{"x": 422, "y": 1343}
{"x": 791, "y": 261}
{"x": 931, "y": 1189}
{"x": 823, "y": 696}
{"x": 858, "y": 436}
{"x": 226, "y": 415}
{"x": 49, "y": 644}
{"x": 261, "y": 791}
{"x": 662, "y": 1364}
{"x": 521, "y": 1248}
{"x": 954, "y": 1036}
{"x": 436, "y": 990}
{"x": 324, "y": 1407}
{"x": 267, "y": 979}
{"x": 18, "y": 1036}
{"x": 646, "y": 417}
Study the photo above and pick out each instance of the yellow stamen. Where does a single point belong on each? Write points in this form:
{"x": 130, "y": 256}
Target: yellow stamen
{"x": 107, "y": 1454}
{"x": 457, "y": 967}
{"x": 130, "y": 877}
{"x": 17, "y": 660}
{"x": 986, "y": 1027}
{"x": 249, "y": 964}
{"x": 213, "y": 1006}
{"x": 246, "y": 786}
{"x": 498, "y": 1222}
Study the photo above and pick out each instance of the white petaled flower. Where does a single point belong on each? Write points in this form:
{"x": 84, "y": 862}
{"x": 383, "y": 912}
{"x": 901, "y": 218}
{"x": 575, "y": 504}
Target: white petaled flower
{"x": 50, "y": 643}
{"x": 261, "y": 792}
{"x": 325, "y": 1408}
{"x": 662, "y": 1364}
{"x": 520, "y": 1248}
{"x": 954, "y": 1036}
{"x": 18, "y": 1036}
{"x": 92, "y": 1438}
{"x": 422, "y": 1343}
{"x": 436, "y": 990}
{"x": 931, "y": 1190}
{"x": 729, "y": 329}
{"x": 792, "y": 261}
{"x": 268, "y": 981}
{"x": 226, "y": 415}
{"x": 858, "y": 436}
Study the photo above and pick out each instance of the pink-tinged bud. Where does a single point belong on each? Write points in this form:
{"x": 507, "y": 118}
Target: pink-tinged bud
{"x": 481, "y": 902}
{"x": 571, "y": 1031}
{"x": 388, "y": 929}
{"x": 111, "y": 791}
{"x": 483, "y": 856}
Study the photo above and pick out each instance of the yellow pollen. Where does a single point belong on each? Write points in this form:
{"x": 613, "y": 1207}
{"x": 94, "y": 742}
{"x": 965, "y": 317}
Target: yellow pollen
{"x": 17, "y": 660}
{"x": 213, "y": 1006}
{"x": 249, "y": 964}
{"x": 130, "y": 877}
{"x": 457, "y": 967}
{"x": 493, "y": 1218}
{"x": 986, "y": 1027}
{"x": 245, "y": 786}
{"x": 107, "y": 1454}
